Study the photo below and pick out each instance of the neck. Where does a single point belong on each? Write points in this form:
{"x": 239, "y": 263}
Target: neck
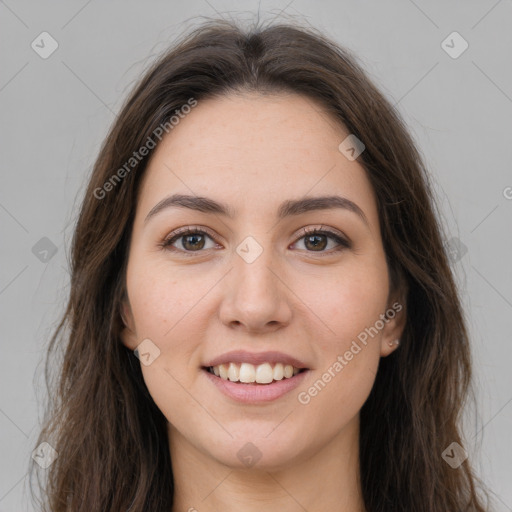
{"x": 326, "y": 480}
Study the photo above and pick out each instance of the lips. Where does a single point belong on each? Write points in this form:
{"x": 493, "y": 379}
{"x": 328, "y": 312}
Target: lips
{"x": 242, "y": 356}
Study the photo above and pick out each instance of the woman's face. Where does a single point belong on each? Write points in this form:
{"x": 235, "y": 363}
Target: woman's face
{"x": 252, "y": 289}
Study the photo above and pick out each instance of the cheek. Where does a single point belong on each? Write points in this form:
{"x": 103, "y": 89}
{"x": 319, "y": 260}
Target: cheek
{"x": 347, "y": 302}
{"x": 349, "y": 352}
{"x": 161, "y": 300}
{"x": 349, "y": 305}
{"x": 165, "y": 310}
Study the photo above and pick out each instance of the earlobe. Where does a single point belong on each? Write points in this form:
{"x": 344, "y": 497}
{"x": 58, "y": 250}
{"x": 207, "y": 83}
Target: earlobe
{"x": 394, "y": 328}
{"x": 388, "y": 347}
{"x": 128, "y": 338}
{"x": 127, "y": 335}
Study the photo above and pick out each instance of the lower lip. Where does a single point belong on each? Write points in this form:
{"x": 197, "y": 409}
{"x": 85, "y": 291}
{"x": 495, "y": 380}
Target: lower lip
{"x": 256, "y": 393}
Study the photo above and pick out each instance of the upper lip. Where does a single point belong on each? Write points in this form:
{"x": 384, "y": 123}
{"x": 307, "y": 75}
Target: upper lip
{"x": 255, "y": 358}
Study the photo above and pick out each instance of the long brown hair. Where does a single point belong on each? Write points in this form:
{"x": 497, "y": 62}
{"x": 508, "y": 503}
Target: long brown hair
{"x": 110, "y": 437}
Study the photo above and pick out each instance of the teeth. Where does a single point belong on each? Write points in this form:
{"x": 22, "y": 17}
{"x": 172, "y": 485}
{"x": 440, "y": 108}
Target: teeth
{"x": 233, "y": 372}
{"x": 278, "y": 371}
{"x": 223, "y": 371}
{"x": 248, "y": 373}
{"x": 264, "y": 373}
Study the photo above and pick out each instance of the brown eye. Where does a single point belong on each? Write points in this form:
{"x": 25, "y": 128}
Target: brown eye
{"x": 189, "y": 240}
{"x": 193, "y": 241}
{"x": 316, "y": 240}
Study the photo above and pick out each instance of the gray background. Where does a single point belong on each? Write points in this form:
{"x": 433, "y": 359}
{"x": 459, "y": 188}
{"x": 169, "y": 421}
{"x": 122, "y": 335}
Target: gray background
{"x": 56, "y": 111}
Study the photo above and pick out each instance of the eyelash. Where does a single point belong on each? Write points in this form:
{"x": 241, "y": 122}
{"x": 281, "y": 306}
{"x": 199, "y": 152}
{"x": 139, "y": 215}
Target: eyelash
{"x": 192, "y": 230}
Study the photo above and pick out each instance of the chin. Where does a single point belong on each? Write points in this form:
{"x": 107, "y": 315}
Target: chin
{"x": 256, "y": 452}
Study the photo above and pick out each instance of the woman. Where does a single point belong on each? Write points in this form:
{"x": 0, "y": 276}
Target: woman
{"x": 262, "y": 315}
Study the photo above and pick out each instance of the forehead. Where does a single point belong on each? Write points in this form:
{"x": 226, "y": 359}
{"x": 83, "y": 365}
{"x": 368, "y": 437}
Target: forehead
{"x": 252, "y": 149}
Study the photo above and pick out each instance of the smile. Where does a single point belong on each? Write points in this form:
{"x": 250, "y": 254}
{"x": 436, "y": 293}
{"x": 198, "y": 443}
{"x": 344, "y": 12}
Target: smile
{"x": 248, "y": 373}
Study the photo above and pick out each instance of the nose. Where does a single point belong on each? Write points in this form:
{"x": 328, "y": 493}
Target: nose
{"x": 256, "y": 298}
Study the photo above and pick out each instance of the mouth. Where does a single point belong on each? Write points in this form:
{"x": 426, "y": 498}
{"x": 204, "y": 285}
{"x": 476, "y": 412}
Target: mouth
{"x": 255, "y": 378}
{"x": 246, "y": 373}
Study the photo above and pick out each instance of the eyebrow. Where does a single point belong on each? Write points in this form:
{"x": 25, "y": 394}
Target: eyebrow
{"x": 288, "y": 208}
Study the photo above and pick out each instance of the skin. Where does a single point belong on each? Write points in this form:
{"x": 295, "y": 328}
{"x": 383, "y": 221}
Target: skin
{"x": 252, "y": 152}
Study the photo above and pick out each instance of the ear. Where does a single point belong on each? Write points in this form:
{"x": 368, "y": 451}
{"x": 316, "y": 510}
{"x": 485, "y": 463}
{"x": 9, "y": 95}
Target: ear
{"x": 394, "y": 325}
{"x": 128, "y": 334}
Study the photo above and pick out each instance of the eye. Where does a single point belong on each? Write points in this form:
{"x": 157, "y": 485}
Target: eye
{"x": 191, "y": 240}
{"x": 316, "y": 240}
